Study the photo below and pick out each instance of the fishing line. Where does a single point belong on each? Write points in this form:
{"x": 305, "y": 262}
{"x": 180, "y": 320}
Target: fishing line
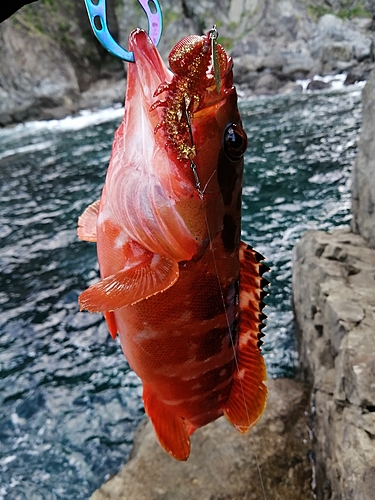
{"x": 198, "y": 186}
{"x": 233, "y": 348}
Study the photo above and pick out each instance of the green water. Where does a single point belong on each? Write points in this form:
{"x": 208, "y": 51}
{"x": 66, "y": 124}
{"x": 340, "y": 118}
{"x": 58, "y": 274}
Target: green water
{"x": 69, "y": 403}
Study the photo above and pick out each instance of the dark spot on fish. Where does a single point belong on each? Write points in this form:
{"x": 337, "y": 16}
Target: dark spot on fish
{"x": 260, "y": 336}
{"x": 237, "y": 292}
{"x": 226, "y": 176}
{"x": 263, "y": 269}
{"x": 229, "y": 233}
{"x": 264, "y": 282}
{"x": 234, "y": 331}
{"x": 208, "y": 302}
{"x": 239, "y": 201}
{"x": 213, "y": 378}
{"x": 215, "y": 340}
{"x": 211, "y": 343}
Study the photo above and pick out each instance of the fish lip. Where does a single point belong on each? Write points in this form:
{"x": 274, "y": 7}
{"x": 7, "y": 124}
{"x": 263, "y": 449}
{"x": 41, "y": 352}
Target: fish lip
{"x": 147, "y": 57}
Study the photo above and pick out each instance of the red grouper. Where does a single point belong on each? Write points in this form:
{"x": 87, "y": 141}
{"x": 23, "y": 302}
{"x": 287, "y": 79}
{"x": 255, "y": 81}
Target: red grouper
{"x": 177, "y": 284}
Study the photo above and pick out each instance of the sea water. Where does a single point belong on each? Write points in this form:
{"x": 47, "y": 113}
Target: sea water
{"x": 69, "y": 402}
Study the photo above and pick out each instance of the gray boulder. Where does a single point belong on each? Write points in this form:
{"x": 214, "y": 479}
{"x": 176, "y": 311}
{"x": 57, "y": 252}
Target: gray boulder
{"x": 271, "y": 461}
{"x": 337, "y": 43}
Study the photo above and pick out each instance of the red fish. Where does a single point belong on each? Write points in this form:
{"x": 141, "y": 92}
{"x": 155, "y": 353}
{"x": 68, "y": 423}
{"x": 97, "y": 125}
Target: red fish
{"x": 178, "y": 286}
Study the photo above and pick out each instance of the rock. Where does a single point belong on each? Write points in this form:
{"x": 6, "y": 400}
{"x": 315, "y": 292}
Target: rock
{"x": 338, "y": 43}
{"x": 225, "y": 464}
{"x": 318, "y": 85}
{"x": 267, "y": 84}
{"x": 358, "y": 73}
{"x": 48, "y": 57}
{"x": 54, "y": 53}
{"x": 38, "y": 73}
{"x": 334, "y": 303}
{"x": 276, "y": 43}
{"x": 103, "y": 94}
{"x": 274, "y": 60}
{"x": 297, "y": 59}
{"x": 363, "y": 183}
{"x": 290, "y": 88}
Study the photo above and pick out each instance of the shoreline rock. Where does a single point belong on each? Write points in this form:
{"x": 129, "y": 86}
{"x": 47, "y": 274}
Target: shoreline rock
{"x": 334, "y": 303}
{"x": 51, "y": 65}
{"x": 224, "y": 464}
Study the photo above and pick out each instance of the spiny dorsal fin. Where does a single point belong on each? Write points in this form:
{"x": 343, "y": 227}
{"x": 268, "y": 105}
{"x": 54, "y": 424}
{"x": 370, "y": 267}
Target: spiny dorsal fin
{"x": 248, "y": 394}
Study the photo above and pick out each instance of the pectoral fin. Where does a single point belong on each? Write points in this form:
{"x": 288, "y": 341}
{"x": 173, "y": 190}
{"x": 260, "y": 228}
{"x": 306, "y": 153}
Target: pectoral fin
{"x": 170, "y": 428}
{"x": 129, "y": 286}
{"x": 86, "y": 229}
{"x": 248, "y": 394}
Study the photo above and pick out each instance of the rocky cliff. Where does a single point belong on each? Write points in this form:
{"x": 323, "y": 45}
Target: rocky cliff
{"x": 48, "y": 60}
{"x": 51, "y": 65}
{"x": 334, "y": 302}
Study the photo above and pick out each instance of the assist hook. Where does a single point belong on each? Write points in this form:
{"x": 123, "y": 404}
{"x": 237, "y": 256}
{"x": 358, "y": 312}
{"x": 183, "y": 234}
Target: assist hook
{"x": 97, "y": 12}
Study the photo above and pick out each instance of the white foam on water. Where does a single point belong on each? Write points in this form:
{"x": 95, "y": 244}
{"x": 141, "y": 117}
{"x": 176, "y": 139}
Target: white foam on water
{"x": 83, "y": 119}
{"x": 336, "y": 81}
{"x": 26, "y": 149}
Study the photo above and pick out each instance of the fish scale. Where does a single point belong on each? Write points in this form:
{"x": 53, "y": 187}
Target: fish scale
{"x": 177, "y": 284}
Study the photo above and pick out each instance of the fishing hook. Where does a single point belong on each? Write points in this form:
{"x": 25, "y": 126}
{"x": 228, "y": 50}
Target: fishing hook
{"x": 97, "y": 13}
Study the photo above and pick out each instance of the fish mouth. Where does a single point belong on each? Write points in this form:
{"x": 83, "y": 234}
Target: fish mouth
{"x": 191, "y": 88}
{"x": 149, "y": 71}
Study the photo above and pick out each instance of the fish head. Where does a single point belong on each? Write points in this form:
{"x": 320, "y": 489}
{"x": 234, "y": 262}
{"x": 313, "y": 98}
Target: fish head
{"x": 181, "y": 145}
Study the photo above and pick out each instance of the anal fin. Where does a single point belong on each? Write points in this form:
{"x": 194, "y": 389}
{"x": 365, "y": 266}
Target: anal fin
{"x": 248, "y": 395}
{"x": 86, "y": 229}
{"x": 170, "y": 428}
{"x": 128, "y": 286}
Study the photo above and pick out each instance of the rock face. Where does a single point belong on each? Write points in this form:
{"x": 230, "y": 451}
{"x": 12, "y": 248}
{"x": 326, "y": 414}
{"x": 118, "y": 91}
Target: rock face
{"x": 48, "y": 58}
{"x": 225, "y": 464}
{"x": 363, "y": 186}
{"x": 334, "y": 302}
{"x": 51, "y": 64}
{"x": 290, "y": 44}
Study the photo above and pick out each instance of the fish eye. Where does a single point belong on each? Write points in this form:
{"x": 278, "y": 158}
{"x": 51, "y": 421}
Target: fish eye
{"x": 234, "y": 141}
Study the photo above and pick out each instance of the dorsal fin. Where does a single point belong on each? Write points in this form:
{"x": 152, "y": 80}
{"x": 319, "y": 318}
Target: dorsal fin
{"x": 248, "y": 394}
{"x": 86, "y": 229}
{"x": 154, "y": 275}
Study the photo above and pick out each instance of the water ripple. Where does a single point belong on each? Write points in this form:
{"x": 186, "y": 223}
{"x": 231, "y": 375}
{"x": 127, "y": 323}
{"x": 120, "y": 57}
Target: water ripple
{"x": 68, "y": 402}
